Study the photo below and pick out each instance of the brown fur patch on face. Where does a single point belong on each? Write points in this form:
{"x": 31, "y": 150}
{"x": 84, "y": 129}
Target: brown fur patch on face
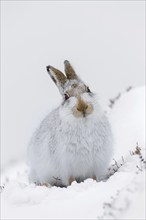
{"x": 89, "y": 110}
{"x": 82, "y": 109}
{"x": 77, "y": 113}
{"x": 81, "y": 106}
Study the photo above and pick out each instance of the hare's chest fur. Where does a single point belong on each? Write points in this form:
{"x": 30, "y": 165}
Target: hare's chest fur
{"x": 84, "y": 144}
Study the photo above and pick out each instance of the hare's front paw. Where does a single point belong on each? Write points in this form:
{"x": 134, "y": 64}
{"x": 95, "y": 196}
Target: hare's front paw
{"x": 70, "y": 180}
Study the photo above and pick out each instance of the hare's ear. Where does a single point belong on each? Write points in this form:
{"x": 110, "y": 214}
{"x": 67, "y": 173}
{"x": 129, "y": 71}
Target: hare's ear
{"x": 57, "y": 76}
{"x": 69, "y": 71}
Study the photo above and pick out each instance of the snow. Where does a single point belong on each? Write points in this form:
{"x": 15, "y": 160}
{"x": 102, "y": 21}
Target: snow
{"x": 130, "y": 108}
{"x": 120, "y": 196}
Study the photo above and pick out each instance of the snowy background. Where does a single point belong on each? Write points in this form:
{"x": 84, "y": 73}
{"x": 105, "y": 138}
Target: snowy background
{"x": 105, "y": 42}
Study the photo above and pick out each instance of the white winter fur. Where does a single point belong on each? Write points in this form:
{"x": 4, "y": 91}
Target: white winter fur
{"x": 65, "y": 146}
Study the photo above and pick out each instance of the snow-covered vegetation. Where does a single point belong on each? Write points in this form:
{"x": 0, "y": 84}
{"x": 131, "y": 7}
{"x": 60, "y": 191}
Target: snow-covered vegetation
{"x": 121, "y": 195}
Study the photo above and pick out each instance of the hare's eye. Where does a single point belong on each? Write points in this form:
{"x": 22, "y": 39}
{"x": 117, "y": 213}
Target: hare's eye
{"x": 66, "y": 96}
{"x": 88, "y": 90}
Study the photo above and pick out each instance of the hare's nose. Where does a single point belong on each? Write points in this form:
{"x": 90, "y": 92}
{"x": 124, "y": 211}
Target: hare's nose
{"x": 84, "y": 107}
{"x": 81, "y": 105}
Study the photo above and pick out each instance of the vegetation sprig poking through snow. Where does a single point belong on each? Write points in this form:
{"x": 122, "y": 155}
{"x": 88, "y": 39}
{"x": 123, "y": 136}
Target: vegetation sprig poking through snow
{"x": 122, "y": 200}
{"x": 118, "y": 164}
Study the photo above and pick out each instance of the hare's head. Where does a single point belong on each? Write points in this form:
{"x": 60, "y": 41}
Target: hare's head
{"x": 77, "y": 97}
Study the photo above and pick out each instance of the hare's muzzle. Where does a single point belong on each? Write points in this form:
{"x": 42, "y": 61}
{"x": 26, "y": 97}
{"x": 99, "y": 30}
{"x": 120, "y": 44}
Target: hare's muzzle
{"x": 82, "y": 109}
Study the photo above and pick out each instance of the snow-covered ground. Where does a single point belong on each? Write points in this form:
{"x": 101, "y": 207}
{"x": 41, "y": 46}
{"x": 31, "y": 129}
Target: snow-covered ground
{"x": 120, "y": 196}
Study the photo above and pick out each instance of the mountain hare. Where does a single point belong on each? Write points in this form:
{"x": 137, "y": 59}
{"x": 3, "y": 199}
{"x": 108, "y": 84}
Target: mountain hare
{"x": 74, "y": 142}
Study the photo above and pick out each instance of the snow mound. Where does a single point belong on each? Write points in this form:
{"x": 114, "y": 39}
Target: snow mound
{"x": 119, "y": 196}
{"x": 128, "y": 121}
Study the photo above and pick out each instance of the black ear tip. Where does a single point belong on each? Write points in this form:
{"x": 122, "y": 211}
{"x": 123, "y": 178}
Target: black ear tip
{"x": 48, "y": 68}
{"x": 66, "y": 61}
